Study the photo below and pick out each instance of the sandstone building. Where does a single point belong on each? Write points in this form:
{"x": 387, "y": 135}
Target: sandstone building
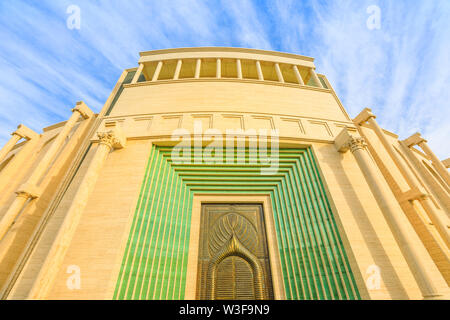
{"x": 96, "y": 207}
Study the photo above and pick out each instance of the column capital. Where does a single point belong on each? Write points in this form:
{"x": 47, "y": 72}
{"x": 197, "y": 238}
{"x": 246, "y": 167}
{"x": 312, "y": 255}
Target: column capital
{"x": 416, "y": 138}
{"x": 363, "y": 116}
{"x": 83, "y": 109}
{"x": 28, "y": 191}
{"x": 346, "y": 141}
{"x": 25, "y": 132}
{"x": 113, "y": 138}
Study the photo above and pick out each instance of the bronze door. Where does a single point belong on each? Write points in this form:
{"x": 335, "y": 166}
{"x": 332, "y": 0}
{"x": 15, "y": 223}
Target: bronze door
{"x": 233, "y": 255}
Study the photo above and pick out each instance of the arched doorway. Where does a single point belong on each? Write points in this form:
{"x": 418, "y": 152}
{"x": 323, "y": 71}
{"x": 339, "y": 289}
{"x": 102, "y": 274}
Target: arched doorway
{"x": 233, "y": 255}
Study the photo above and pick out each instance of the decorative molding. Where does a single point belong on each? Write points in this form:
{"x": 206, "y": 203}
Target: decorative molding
{"x": 324, "y": 124}
{"x": 236, "y": 116}
{"x": 179, "y": 117}
{"x": 267, "y": 118}
{"x": 209, "y": 117}
{"x": 297, "y": 122}
{"x": 344, "y": 126}
{"x": 148, "y": 119}
{"x": 290, "y": 127}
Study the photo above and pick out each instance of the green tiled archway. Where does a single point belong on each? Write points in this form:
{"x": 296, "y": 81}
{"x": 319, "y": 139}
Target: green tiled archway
{"x": 313, "y": 259}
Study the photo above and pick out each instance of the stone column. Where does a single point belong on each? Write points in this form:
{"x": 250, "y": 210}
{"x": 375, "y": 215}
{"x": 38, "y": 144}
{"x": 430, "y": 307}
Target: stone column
{"x": 157, "y": 71}
{"x": 21, "y": 132}
{"x": 176, "y": 75}
{"x": 415, "y": 193}
{"x": 138, "y": 73}
{"x": 239, "y": 68}
{"x": 344, "y": 142}
{"x": 30, "y": 189}
{"x": 218, "y": 68}
{"x": 279, "y": 73}
{"x": 198, "y": 66}
{"x": 315, "y": 78}
{"x": 416, "y": 139}
{"x": 298, "y": 75}
{"x": 107, "y": 141}
{"x": 259, "y": 70}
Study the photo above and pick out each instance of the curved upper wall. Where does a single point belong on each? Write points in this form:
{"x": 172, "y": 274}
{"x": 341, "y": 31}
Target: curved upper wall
{"x": 226, "y": 52}
{"x": 214, "y": 80}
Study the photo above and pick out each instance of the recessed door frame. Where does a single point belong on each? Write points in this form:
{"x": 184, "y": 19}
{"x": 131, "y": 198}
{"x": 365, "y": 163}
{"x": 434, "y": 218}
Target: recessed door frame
{"x": 194, "y": 238}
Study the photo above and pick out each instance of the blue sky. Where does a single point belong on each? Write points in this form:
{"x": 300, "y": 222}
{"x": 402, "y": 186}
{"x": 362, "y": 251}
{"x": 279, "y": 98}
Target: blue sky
{"x": 401, "y": 71}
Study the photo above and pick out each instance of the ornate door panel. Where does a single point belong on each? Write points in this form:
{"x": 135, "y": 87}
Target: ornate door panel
{"x": 233, "y": 255}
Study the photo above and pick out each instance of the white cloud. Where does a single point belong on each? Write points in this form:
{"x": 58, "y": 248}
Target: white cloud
{"x": 248, "y": 27}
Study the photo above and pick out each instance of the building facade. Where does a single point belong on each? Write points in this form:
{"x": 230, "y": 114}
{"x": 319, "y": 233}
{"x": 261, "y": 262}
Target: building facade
{"x": 222, "y": 173}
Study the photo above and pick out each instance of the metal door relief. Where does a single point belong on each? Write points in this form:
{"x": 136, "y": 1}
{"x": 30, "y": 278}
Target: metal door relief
{"x": 233, "y": 255}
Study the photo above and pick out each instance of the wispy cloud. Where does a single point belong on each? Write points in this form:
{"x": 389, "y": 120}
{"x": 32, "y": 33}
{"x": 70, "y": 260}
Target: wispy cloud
{"x": 401, "y": 71}
{"x": 247, "y": 24}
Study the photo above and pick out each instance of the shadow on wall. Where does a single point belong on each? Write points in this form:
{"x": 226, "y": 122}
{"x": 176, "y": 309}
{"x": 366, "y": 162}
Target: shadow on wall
{"x": 360, "y": 214}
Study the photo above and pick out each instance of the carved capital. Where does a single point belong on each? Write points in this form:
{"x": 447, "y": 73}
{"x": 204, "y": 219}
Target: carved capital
{"x": 363, "y": 116}
{"x": 355, "y": 143}
{"x": 345, "y": 141}
{"x": 28, "y": 191}
{"x": 415, "y": 139}
{"x": 83, "y": 109}
{"x": 113, "y": 138}
{"x": 25, "y": 132}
